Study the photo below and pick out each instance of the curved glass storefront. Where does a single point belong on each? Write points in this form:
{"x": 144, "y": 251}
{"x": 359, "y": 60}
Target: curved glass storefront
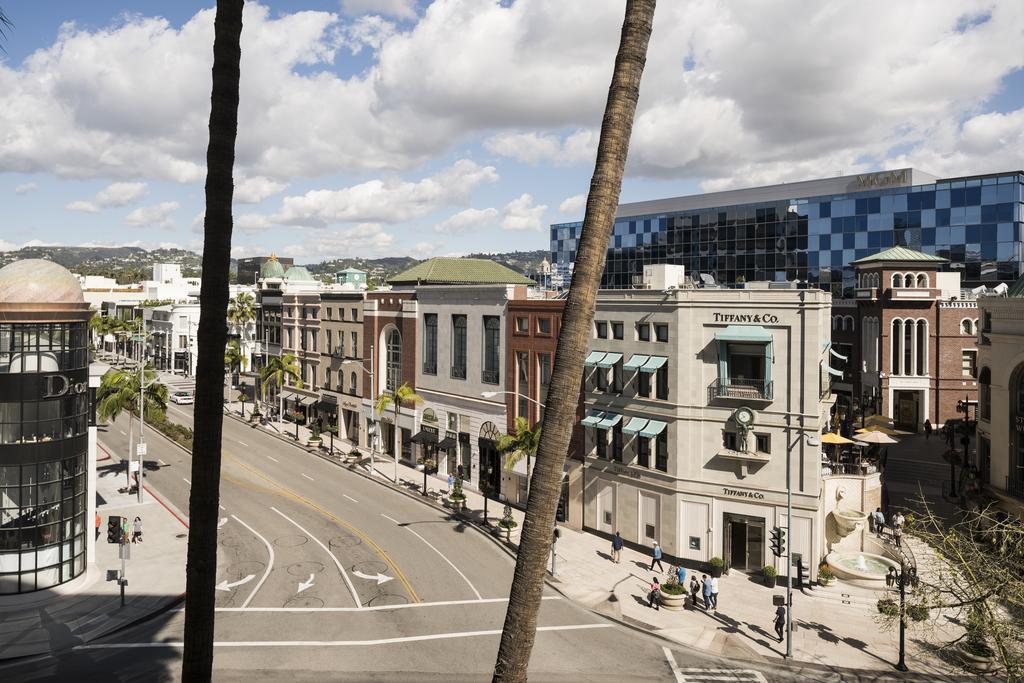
{"x": 44, "y": 418}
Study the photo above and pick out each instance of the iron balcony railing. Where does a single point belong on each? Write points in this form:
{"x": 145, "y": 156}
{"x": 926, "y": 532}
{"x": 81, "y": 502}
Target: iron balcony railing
{"x": 1015, "y": 486}
{"x": 740, "y": 388}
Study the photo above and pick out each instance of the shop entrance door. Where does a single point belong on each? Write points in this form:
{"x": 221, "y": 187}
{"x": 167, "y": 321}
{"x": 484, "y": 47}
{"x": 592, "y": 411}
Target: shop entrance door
{"x": 744, "y": 543}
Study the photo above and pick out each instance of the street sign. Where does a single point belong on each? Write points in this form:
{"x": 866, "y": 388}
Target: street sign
{"x": 133, "y": 465}
{"x": 140, "y": 449}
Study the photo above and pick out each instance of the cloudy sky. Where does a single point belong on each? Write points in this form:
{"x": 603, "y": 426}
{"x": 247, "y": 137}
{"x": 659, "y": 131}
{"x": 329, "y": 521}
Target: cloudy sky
{"x": 378, "y": 127}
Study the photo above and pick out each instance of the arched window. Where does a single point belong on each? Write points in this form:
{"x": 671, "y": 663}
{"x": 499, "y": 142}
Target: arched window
{"x": 908, "y": 280}
{"x": 835, "y": 323}
{"x": 897, "y": 280}
{"x": 921, "y": 348}
{"x": 850, "y": 325}
{"x": 896, "y": 335}
{"x": 429, "y": 416}
{"x": 352, "y": 382}
{"x": 966, "y": 326}
{"x": 394, "y": 360}
{"x": 985, "y": 393}
{"x": 922, "y": 281}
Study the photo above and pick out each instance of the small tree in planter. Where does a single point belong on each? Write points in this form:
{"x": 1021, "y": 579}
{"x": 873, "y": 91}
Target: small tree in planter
{"x": 314, "y": 435}
{"x": 457, "y": 497}
{"x": 717, "y": 565}
{"x": 825, "y": 576}
{"x": 769, "y": 573}
{"x": 353, "y": 455}
{"x": 673, "y": 594}
{"x": 974, "y": 650}
{"x": 507, "y": 523}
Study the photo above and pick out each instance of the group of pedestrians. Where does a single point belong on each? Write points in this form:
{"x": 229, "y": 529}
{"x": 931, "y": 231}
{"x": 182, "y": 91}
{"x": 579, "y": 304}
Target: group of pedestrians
{"x": 707, "y": 587}
{"x": 896, "y": 524}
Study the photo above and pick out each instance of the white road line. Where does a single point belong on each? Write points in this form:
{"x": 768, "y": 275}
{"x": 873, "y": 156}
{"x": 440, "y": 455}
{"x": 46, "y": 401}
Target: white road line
{"x": 341, "y": 569}
{"x": 336, "y": 643}
{"x": 695, "y": 674}
{"x": 457, "y": 570}
{"x": 350, "y": 498}
{"x": 375, "y": 608}
{"x": 123, "y": 433}
{"x": 270, "y": 564}
{"x": 242, "y": 443}
{"x": 273, "y": 458}
{"x": 221, "y": 507}
{"x": 307, "y": 476}
{"x": 391, "y": 518}
{"x": 672, "y": 663}
{"x": 187, "y": 481}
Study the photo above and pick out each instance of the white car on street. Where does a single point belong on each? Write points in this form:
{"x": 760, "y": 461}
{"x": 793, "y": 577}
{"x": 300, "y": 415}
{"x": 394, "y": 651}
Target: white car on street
{"x": 183, "y": 398}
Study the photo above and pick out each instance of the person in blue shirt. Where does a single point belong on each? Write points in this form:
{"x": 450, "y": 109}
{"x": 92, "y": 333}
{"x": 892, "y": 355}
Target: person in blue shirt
{"x": 656, "y": 558}
{"x": 681, "y": 575}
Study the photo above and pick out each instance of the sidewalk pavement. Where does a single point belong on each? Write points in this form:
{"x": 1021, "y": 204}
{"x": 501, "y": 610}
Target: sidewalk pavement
{"x": 835, "y": 626}
{"x": 90, "y": 606}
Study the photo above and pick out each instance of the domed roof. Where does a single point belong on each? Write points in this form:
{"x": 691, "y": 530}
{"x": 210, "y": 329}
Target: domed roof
{"x": 37, "y": 281}
{"x": 298, "y": 274}
{"x": 272, "y": 268}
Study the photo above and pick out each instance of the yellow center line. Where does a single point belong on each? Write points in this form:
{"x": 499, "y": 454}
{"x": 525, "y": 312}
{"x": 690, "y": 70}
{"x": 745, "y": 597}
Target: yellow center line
{"x": 285, "y": 491}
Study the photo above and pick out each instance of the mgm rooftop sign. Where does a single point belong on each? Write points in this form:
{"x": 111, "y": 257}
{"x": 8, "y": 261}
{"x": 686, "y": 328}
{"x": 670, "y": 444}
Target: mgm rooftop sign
{"x": 883, "y": 179}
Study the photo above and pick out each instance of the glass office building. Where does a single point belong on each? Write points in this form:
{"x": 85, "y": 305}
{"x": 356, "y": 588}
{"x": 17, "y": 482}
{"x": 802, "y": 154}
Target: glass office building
{"x": 44, "y": 427}
{"x": 812, "y": 230}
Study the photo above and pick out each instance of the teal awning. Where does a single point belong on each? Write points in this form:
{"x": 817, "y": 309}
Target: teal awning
{"x": 635, "y": 425}
{"x": 635, "y": 361}
{"x": 594, "y": 357}
{"x": 837, "y": 354}
{"x": 653, "y": 363}
{"x": 609, "y": 360}
{"x": 744, "y": 333}
{"x": 653, "y": 428}
{"x": 592, "y": 419}
{"x": 609, "y": 421}
{"x": 832, "y": 371}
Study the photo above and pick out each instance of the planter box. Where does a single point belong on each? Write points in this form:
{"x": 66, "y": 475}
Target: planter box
{"x": 457, "y": 505}
{"x": 507, "y": 534}
{"x": 716, "y": 572}
{"x": 675, "y": 603}
{"x": 976, "y": 663}
{"x": 314, "y": 443}
{"x": 826, "y": 582}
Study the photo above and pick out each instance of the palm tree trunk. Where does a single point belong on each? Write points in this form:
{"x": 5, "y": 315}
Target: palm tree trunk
{"x": 201, "y": 569}
{"x": 519, "y": 631}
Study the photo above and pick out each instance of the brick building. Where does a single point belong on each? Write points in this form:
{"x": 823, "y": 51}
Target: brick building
{"x": 915, "y": 329}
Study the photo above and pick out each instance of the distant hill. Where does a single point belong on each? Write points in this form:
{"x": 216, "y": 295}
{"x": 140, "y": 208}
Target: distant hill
{"x": 132, "y": 264}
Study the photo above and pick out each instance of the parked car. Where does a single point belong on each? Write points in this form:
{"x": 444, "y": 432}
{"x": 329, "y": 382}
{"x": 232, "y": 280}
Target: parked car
{"x": 183, "y": 398}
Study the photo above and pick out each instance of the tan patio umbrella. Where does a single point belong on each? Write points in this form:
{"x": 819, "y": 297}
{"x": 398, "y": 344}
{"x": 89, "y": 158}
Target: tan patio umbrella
{"x": 836, "y": 440}
{"x": 888, "y": 431}
{"x": 878, "y": 419}
{"x": 875, "y": 437}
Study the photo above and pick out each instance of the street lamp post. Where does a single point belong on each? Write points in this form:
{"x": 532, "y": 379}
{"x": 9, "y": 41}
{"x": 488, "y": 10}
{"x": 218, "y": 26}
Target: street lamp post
{"x": 902, "y": 664}
{"x": 373, "y": 390}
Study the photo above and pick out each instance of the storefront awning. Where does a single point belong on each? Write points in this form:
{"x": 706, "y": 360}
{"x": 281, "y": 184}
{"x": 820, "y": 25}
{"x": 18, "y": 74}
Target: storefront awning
{"x": 749, "y": 334}
{"x": 609, "y": 360}
{"x": 424, "y": 437}
{"x": 307, "y": 400}
{"x": 609, "y": 421}
{"x": 592, "y": 419}
{"x": 635, "y": 425}
{"x": 635, "y": 362}
{"x": 837, "y": 354}
{"x": 447, "y": 443}
{"x": 594, "y": 357}
{"x": 653, "y": 363}
{"x": 832, "y": 371}
{"x": 653, "y": 428}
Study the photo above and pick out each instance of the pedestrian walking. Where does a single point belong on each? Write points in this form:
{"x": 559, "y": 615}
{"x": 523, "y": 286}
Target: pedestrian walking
{"x": 656, "y": 557}
{"x": 99, "y": 521}
{"x": 890, "y": 578}
{"x": 780, "y": 621}
{"x": 898, "y": 520}
{"x": 927, "y": 429}
{"x": 681, "y": 575}
{"x": 694, "y": 589}
{"x": 879, "y": 522}
{"x": 706, "y": 591}
{"x": 451, "y": 482}
{"x": 714, "y": 593}
{"x": 137, "y": 530}
{"x": 616, "y": 548}
{"x": 654, "y": 597}
{"x": 897, "y": 536}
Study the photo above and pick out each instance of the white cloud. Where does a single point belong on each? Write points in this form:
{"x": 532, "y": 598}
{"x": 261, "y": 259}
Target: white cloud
{"x": 388, "y": 200}
{"x": 423, "y": 250}
{"x": 169, "y": 245}
{"x": 26, "y": 188}
{"x": 467, "y": 220}
{"x": 83, "y": 206}
{"x": 157, "y": 215}
{"x": 400, "y": 9}
{"x": 367, "y": 31}
{"x": 251, "y": 223}
{"x": 533, "y": 148}
{"x": 254, "y": 190}
{"x": 574, "y": 204}
{"x": 365, "y": 239}
{"x": 113, "y": 195}
{"x": 8, "y": 246}
{"x": 242, "y": 250}
{"x": 521, "y": 214}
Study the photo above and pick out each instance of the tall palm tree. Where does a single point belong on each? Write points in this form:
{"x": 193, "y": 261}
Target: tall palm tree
{"x": 5, "y": 23}
{"x": 242, "y": 312}
{"x": 519, "y": 631}
{"x": 523, "y": 442}
{"x": 233, "y": 356}
{"x": 119, "y": 392}
{"x": 276, "y": 372}
{"x": 201, "y": 567}
{"x": 401, "y": 396}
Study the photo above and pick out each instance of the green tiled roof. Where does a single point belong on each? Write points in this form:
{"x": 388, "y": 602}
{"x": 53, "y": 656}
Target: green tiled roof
{"x": 1016, "y": 290}
{"x": 900, "y": 254}
{"x": 460, "y": 271}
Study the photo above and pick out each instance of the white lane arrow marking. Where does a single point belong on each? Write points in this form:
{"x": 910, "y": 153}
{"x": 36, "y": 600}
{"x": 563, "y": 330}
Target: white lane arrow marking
{"x": 225, "y": 586}
{"x": 306, "y": 584}
{"x": 222, "y": 522}
{"x": 380, "y": 578}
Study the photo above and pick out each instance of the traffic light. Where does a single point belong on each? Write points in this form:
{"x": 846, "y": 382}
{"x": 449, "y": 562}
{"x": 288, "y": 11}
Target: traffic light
{"x": 114, "y": 533}
{"x": 778, "y": 541}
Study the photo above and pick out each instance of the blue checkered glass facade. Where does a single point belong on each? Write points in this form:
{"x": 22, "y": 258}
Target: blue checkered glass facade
{"x": 974, "y": 222}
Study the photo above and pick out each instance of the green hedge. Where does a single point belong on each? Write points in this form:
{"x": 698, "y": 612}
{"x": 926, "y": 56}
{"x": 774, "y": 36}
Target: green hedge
{"x": 175, "y": 432}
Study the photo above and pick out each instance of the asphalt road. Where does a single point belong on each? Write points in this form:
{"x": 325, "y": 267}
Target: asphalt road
{"x": 330, "y": 576}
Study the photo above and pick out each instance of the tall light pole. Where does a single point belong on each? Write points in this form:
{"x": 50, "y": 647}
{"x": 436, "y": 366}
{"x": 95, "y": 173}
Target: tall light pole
{"x": 373, "y": 391}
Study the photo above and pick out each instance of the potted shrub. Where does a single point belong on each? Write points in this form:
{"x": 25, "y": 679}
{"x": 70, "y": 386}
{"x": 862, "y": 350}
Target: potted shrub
{"x": 673, "y": 596}
{"x": 974, "y": 651}
{"x": 826, "y": 577}
{"x": 888, "y": 607}
{"x": 353, "y": 455}
{"x": 716, "y": 566}
{"x": 457, "y": 498}
{"x": 507, "y": 523}
{"x": 769, "y": 573}
{"x": 314, "y": 436}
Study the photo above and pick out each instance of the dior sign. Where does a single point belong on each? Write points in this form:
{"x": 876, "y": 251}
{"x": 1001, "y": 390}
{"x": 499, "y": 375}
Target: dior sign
{"x": 55, "y": 386}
